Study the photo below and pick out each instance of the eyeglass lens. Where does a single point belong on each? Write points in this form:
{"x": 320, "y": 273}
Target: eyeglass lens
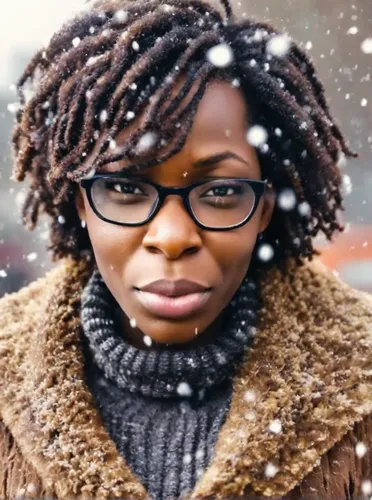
{"x": 217, "y": 203}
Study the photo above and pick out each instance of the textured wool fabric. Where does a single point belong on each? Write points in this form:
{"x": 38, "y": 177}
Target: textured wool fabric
{"x": 309, "y": 366}
{"x": 163, "y": 408}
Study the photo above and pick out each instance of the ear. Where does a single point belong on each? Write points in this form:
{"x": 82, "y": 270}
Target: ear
{"x": 268, "y": 208}
{"x": 79, "y": 203}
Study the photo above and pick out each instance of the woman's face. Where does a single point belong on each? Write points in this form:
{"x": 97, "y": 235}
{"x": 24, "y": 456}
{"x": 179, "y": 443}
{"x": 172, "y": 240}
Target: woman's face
{"x": 171, "y": 246}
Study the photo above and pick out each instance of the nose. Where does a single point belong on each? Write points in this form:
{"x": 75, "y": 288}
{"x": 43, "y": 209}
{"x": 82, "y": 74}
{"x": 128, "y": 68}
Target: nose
{"x": 172, "y": 231}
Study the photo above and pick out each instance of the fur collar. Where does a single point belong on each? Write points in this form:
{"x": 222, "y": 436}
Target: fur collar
{"x": 310, "y": 367}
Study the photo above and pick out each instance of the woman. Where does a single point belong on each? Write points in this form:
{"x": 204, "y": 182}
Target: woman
{"x": 187, "y": 345}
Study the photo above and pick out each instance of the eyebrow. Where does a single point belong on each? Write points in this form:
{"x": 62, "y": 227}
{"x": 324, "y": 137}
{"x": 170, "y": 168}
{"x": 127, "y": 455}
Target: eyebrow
{"x": 212, "y": 160}
{"x": 202, "y": 162}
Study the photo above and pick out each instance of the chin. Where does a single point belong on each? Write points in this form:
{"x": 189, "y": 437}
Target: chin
{"x": 172, "y": 334}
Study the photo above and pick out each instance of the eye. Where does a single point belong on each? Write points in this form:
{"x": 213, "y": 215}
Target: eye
{"x": 222, "y": 190}
{"x": 124, "y": 187}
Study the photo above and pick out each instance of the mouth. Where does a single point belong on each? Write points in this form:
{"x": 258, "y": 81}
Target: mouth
{"x": 177, "y": 299}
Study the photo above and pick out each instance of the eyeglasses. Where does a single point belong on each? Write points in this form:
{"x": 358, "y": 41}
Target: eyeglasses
{"x": 218, "y": 204}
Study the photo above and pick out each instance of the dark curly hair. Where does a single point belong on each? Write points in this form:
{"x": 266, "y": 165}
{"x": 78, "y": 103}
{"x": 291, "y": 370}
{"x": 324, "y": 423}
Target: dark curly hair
{"x": 126, "y": 55}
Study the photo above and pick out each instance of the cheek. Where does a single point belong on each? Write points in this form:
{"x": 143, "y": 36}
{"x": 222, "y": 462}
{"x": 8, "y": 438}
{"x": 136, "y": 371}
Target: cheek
{"x": 113, "y": 247}
{"x": 233, "y": 250}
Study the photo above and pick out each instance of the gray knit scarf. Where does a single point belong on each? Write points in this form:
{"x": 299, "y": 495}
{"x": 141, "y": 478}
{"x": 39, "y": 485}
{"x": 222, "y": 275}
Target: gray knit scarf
{"x": 160, "y": 373}
{"x": 166, "y": 435}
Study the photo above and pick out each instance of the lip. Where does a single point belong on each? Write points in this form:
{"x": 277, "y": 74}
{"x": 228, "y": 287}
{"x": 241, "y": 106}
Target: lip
{"x": 173, "y": 299}
{"x": 174, "y": 288}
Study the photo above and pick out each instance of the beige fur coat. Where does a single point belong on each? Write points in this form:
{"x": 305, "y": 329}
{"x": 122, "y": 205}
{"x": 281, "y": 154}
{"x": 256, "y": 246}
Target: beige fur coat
{"x": 310, "y": 367}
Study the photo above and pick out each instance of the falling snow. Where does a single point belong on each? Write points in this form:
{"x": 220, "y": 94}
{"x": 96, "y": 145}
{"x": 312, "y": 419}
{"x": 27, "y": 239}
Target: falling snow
{"x": 352, "y": 31}
{"x": 278, "y": 45}
{"x": 184, "y": 389}
{"x": 366, "y": 487}
{"x": 360, "y": 449}
{"x": 133, "y": 322}
{"x": 220, "y": 55}
{"x": 130, "y": 115}
{"x": 3, "y": 274}
{"x": 147, "y": 340}
{"x": 61, "y": 219}
{"x": 146, "y": 142}
{"x": 135, "y": 46}
{"x": 347, "y": 185}
{"x": 31, "y": 257}
{"x": 257, "y": 136}
{"x": 76, "y": 41}
{"x": 275, "y": 426}
{"x": 366, "y": 46}
{"x": 187, "y": 459}
{"x": 103, "y": 116}
{"x": 271, "y": 470}
{"x": 287, "y": 199}
{"x": 265, "y": 252}
{"x": 121, "y": 16}
{"x": 304, "y": 209}
{"x": 364, "y": 102}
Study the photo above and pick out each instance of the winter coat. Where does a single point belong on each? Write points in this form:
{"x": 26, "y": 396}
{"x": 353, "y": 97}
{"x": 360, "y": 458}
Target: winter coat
{"x": 310, "y": 367}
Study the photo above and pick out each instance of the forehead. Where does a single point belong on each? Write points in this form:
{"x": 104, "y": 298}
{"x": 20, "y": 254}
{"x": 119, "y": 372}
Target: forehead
{"x": 221, "y": 114}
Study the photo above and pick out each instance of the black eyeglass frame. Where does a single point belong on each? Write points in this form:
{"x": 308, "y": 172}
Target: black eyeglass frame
{"x": 258, "y": 187}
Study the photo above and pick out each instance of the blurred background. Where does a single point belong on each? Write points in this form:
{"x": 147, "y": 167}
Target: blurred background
{"x": 338, "y": 36}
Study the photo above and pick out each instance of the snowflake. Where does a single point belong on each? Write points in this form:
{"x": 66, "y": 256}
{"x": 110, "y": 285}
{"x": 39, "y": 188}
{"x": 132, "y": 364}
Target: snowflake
{"x": 271, "y": 470}
{"x": 352, "y": 31}
{"x": 103, "y": 116}
{"x": 76, "y": 41}
{"x": 304, "y": 209}
{"x": 360, "y": 449}
{"x": 275, "y": 426}
{"x": 257, "y": 136}
{"x": 135, "y": 46}
{"x": 146, "y": 142}
{"x": 287, "y": 200}
{"x": 366, "y": 487}
{"x": 133, "y": 322}
{"x": 265, "y": 252}
{"x": 347, "y": 185}
{"x": 3, "y": 274}
{"x": 220, "y": 55}
{"x": 364, "y": 102}
{"x": 187, "y": 459}
{"x": 366, "y": 46}
{"x": 61, "y": 219}
{"x": 184, "y": 389}
{"x": 130, "y": 115}
{"x": 278, "y": 45}
{"x": 308, "y": 45}
{"x": 121, "y": 16}
{"x": 32, "y": 256}
{"x": 147, "y": 340}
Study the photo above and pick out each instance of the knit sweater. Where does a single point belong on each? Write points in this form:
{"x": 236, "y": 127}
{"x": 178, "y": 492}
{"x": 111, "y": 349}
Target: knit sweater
{"x": 163, "y": 408}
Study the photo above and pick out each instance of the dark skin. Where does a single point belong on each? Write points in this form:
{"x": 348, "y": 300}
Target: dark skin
{"x": 171, "y": 246}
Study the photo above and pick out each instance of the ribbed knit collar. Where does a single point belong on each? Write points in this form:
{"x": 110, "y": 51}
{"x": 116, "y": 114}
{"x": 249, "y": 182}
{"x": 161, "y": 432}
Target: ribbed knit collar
{"x": 165, "y": 373}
